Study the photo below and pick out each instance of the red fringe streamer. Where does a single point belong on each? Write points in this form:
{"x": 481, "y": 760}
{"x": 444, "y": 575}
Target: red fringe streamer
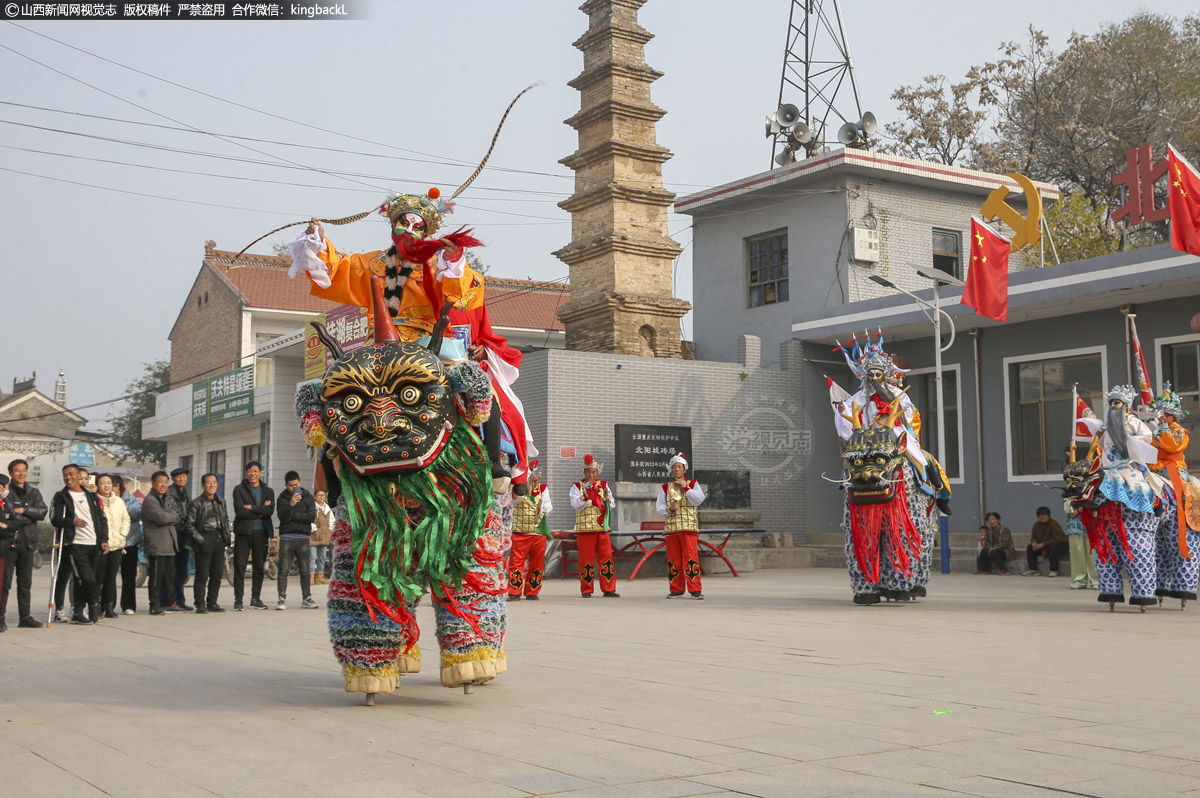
{"x": 870, "y": 522}
{"x": 1096, "y": 522}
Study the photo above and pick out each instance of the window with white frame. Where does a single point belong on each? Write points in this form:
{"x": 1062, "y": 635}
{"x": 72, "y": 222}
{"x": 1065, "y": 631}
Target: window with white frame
{"x": 923, "y": 392}
{"x": 1040, "y": 407}
{"x": 1181, "y": 368}
{"x": 947, "y": 252}
{"x": 767, "y": 268}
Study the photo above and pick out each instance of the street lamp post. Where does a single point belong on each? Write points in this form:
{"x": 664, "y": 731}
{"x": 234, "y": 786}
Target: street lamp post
{"x": 939, "y": 278}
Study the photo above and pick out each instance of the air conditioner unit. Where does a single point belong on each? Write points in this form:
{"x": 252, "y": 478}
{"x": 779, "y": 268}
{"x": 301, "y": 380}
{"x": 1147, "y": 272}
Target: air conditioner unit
{"x": 866, "y": 245}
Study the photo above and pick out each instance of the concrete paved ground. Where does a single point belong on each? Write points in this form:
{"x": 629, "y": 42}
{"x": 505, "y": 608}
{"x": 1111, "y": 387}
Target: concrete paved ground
{"x": 774, "y": 686}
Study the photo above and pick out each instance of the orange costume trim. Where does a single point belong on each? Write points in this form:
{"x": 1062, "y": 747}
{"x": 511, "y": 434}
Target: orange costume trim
{"x": 1172, "y": 445}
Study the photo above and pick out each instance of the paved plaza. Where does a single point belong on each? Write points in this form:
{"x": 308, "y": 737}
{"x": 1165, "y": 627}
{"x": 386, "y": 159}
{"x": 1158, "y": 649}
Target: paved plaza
{"x": 775, "y": 685}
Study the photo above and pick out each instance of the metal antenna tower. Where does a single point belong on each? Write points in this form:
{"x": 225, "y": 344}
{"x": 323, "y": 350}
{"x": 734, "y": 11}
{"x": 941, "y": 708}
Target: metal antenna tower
{"x": 817, "y": 65}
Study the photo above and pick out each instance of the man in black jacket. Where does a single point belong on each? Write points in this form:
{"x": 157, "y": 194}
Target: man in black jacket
{"x": 28, "y": 508}
{"x": 253, "y": 506}
{"x": 83, "y": 527}
{"x": 208, "y": 533}
{"x": 297, "y": 512}
{"x": 179, "y": 492}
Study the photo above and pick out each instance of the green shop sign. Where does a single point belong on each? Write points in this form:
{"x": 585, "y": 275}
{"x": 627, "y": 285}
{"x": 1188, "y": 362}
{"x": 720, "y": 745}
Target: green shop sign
{"x": 223, "y": 397}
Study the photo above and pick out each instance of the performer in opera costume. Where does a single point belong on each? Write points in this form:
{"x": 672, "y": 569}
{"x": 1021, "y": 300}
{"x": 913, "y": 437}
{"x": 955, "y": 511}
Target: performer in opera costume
{"x": 421, "y": 274}
{"x": 414, "y": 511}
{"x": 891, "y": 483}
{"x": 527, "y": 562}
{"x": 593, "y": 503}
{"x": 678, "y": 500}
{"x": 1122, "y": 526}
{"x": 1178, "y": 537}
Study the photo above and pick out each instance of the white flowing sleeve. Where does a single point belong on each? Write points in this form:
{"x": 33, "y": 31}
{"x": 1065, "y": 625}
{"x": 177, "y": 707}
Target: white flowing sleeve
{"x": 304, "y": 251}
{"x": 695, "y": 495}
{"x": 660, "y": 505}
{"x": 547, "y": 505}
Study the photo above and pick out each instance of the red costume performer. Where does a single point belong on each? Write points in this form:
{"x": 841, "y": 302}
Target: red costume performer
{"x": 678, "y": 500}
{"x": 593, "y": 502}
{"x": 527, "y": 560}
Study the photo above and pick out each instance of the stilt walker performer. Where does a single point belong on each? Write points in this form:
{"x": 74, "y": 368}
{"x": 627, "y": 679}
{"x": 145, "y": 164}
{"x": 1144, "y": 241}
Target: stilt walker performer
{"x": 1178, "y": 538}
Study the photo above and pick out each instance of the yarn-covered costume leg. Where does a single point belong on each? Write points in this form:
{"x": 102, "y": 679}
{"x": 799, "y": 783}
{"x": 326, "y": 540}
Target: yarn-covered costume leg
{"x": 1143, "y": 569}
{"x": 371, "y": 652}
{"x": 473, "y": 646}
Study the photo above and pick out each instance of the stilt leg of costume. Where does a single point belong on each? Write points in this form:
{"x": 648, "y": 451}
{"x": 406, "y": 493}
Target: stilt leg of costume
{"x": 474, "y": 652}
{"x": 864, "y": 592}
{"x": 675, "y": 578}
{"x": 606, "y": 569}
{"x": 1187, "y": 569}
{"x": 691, "y": 560}
{"x": 1112, "y": 585}
{"x": 1140, "y": 528}
{"x": 1166, "y": 551}
{"x": 371, "y": 652}
{"x": 491, "y": 440}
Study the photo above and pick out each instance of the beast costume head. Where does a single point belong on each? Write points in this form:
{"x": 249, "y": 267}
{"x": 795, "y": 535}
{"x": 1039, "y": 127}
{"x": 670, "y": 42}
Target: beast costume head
{"x": 395, "y": 428}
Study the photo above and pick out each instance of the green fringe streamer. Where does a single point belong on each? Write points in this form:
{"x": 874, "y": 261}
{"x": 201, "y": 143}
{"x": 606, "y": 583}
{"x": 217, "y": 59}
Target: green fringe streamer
{"x": 401, "y": 558}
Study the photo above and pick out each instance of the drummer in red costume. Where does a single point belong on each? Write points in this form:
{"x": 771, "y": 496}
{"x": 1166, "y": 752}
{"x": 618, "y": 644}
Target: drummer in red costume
{"x": 593, "y": 503}
{"x": 678, "y": 500}
{"x": 421, "y": 273}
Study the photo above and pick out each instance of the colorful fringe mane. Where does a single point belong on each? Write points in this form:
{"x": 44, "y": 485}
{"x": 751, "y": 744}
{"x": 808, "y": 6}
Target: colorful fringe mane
{"x": 394, "y": 557}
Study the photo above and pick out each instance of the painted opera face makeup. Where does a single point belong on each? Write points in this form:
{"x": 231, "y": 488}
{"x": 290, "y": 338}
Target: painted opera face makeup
{"x": 411, "y": 223}
{"x": 388, "y": 406}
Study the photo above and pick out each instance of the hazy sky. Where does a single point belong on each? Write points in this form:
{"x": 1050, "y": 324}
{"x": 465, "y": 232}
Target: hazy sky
{"x": 93, "y": 278}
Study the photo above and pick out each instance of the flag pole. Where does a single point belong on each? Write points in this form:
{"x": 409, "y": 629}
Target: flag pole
{"x": 1074, "y": 417}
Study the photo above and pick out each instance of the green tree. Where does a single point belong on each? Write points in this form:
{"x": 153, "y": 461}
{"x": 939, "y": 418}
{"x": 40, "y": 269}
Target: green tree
{"x": 1067, "y": 117}
{"x": 126, "y": 424}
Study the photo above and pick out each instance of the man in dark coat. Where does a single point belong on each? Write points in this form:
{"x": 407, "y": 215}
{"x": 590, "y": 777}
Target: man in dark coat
{"x": 208, "y": 532}
{"x": 28, "y": 508}
{"x": 253, "y": 507}
{"x": 161, "y": 514}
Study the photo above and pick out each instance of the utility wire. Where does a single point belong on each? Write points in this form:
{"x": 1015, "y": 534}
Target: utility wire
{"x": 172, "y": 119}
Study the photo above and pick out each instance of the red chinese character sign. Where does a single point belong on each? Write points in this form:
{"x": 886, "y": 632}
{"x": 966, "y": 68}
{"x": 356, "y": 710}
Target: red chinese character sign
{"x": 1139, "y": 177}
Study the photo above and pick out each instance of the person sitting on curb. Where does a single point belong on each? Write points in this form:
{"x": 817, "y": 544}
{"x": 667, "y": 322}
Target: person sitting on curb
{"x": 1045, "y": 539}
{"x": 995, "y": 546}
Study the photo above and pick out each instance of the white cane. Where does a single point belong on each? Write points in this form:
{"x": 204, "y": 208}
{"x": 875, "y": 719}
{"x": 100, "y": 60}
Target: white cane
{"x": 55, "y": 556}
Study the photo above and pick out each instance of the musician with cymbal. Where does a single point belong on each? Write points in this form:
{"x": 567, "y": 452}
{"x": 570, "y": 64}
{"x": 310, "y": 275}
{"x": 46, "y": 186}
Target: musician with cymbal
{"x": 678, "y": 500}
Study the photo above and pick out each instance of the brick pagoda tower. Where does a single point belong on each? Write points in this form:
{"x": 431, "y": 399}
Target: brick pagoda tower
{"x": 620, "y": 255}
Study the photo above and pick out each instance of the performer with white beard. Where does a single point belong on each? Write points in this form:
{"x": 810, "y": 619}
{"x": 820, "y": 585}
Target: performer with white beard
{"x": 1126, "y": 525}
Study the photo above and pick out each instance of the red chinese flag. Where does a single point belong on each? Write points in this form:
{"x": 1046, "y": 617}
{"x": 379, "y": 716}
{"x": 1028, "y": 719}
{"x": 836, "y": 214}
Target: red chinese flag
{"x": 987, "y": 276}
{"x": 1183, "y": 185}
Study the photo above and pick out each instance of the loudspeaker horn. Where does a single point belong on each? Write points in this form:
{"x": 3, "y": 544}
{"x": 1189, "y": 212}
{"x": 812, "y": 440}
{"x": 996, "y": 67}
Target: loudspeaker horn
{"x": 848, "y": 134}
{"x": 869, "y": 124}
{"x": 787, "y": 115}
{"x": 800, "y": 133}
{"x": 773, "y": 127}
{"x": 785, "y": 158}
